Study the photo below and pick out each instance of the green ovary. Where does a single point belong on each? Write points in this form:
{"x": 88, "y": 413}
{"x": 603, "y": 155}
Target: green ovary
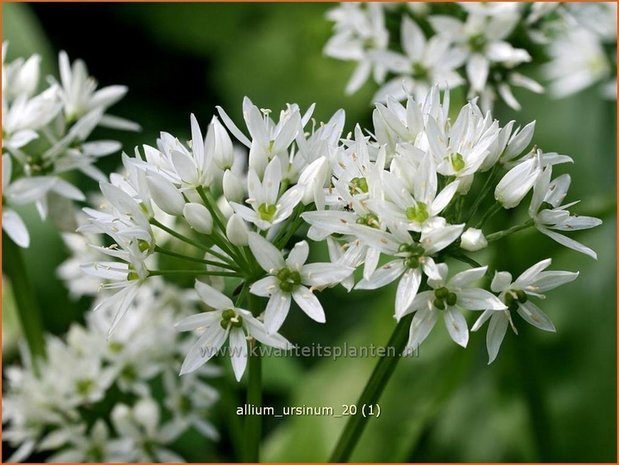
{"x": 288, "y": 279}
{"x": 418, "y": 213}
{"x": 266, "y": 211}
{"x": 457, "y": 161}
{"x": 358, "y": 186}
{"x": 230, "y": 318}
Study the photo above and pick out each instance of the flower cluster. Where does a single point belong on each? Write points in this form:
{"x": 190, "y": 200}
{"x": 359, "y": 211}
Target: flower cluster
{"x": 404, "y": 202}
{"x": 45, "y": 134}
{"x": 486, "y": 46}
{"x": 94, "y": 399}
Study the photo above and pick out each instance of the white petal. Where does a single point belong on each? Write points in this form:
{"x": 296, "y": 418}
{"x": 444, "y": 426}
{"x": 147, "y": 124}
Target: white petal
{"x": 423, "y": 322}
{"x": 256, "y": 329}
{"x": 15, "y": 228}
{"x": 477, "y": 71}
{"x": 437, "y": 239}
{"x": 200, "y": 320}
{"x": 531, "y": 273}
{"x": 456, "y": 326}
{"x": 406, "y": 292}
{"x": 532, "y": 314}
{"x": 324, "y": 274}
{"x": 479, "y": 299}
{"x": 276, "y": 311}
{"x": 205, "y": 348}
{"x": 496, "y": 332}
{"x": 467, "y": 278}
{"x": 309, "y": 303}
{"x": 298, "y": 255}
{"x": 383, "y": 275}
{"x": 165, "y": 194}
{"x": 238, "y": 352}
{"x": 551, "y": 279}
{"x": 265, "y": 286}
{"x": 212, "y": 297}
{"x": 501, "y": 281}
{"x": 267, "y": 255}
{"x": 569, "y": 243}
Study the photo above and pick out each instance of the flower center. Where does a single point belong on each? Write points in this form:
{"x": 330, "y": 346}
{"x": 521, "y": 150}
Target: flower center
{"x": 457, "y": 161}
{"x": 415, "y": 254}
{"x": 512, "y": 298}
{"x": 358, "y": 186}
{"x": 477, "y": 42}
{"x": 266, "y": 211}
{"x": 230, "y": 318}
{"x": 288, "y": 279}
{"x": 419, "y": 71}
{"x": 370, "y": 220}
{"x": 84, "y": 386}
{"x": 418, "y": 212}
{"x": 444, "y": 297}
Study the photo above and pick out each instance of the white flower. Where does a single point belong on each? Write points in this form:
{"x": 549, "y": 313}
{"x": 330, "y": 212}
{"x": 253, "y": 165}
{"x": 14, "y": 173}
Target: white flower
{"x": 237, "y": 231}
{"x": 578, "y": 60}
{"x": 533, "y": 282}
{"x": 198, "y": 217}
{"x": 412, "y": 258}
{"x": 424, "y": 64}
{"x": 359, "y": 32}
{"x": 226, "y": 322}
{"x": 269, "y": 208}
{"x": 20, "y": 192}
{"x": 268, "y": 139}
{"x": 517, "y": 183}
{"x": 78, "y": 90}
{"x": 288, "y": 279}
{"x": 473, "y": 240}
{"x": 483, "y": 38}
{"x": 550, "y": 216}
{"x": 450, "y": 297}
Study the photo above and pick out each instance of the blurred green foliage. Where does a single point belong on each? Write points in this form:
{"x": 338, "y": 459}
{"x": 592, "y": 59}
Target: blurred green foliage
{"x": 547, "y": 397}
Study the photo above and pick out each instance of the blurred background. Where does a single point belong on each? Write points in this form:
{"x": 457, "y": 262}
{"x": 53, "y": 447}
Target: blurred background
{"x": 548, "y": 397}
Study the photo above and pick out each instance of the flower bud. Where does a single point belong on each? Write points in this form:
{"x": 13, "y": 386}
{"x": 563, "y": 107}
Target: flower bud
{"x": 223, "y": 152}
{"x": 165, "y": 194}
{"x": 517, "y": 183}
{"x": 236, "y": 231}
{"x": 312, "y": 179}
{"x": 233, "y": 187}
{"x": 198, "y": 217}
{"x": 473, "y": 239}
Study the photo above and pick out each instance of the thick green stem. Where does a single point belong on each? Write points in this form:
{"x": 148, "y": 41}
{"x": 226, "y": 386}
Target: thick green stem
{"x": 253, "y": 423}
{"x": 372, "y": 392}
{"x": 28, "y": 309}
{"x": 506, "y": 232}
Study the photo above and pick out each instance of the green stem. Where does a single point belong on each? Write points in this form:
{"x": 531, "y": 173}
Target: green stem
{"x": 28, "y": 310}
{"x": 193, "y": 259}
{"x": 253, "y": 423}
{"x": 483, "y": 192}
{"x": 489, "y": 214}
{"x": 193, "y": 272}
{"x": 179, "y": 236}
{"x": 372, "y": 392}
{"x": 506, "y": 232}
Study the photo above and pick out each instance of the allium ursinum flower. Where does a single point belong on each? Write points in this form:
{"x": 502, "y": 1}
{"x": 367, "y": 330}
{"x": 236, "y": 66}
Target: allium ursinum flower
{"x": 269, "y": 208}
{"x": 46, "y": 412}
{"x": 224, "y": 322}
{"x": 423, "y": 63}
{"x": 533, "y": 282}
{"x": 490, "y": 47}
{"x": 584, "y": 51}
{"x": 360, "y": 32}
{"x": 549, "y": 215}
{"x": 412, "y": 259}
{"x": 450, "y": 297}
{"x": 288, "y": 279}
{"x": 47, "y": 134}
{"x": 417, "y": 188}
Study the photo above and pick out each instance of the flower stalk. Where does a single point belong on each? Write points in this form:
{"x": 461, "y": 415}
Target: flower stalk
{"x": 28, "y": 310}
{"x": 371, "y": 393}
{"x": 253, "y": 423}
